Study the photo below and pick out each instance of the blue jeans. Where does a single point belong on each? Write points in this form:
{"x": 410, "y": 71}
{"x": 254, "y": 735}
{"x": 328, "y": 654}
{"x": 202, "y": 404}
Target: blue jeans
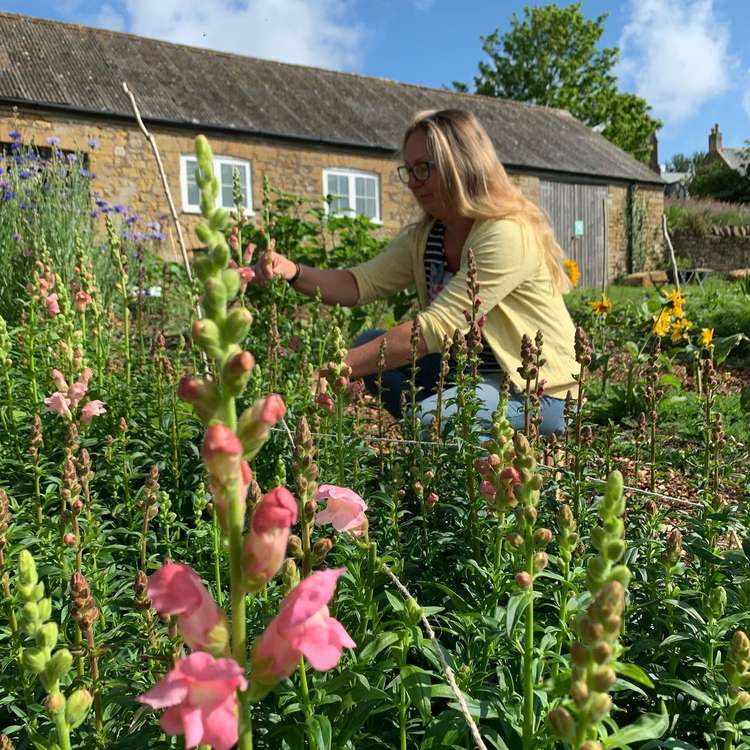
{"x": 396, "y": 382}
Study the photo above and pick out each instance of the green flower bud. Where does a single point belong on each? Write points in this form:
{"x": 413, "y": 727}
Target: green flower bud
{"x": 604, "y": 679}
{"x": 206, "y": 203}
{"x": 413, "y": 611}
{"x": 44, "y": 609}
{"x": 613, "y": 493}
{"x": 562, "y": 724}
{"x": 598, "y": 537}
{"x": 289, "y": 574}
{"x": 220, "y": 252}
{"x": 231, "y": 279}
{"x": 599, "y": 706}
{"x": 206, "y": 335}
{"x": 203, "y": 149}
{"x": 57, "y": 667}
{"x": 579, "y": 691}
{"x": 204, "y": 267}
{"x": 590, "y": 745}
{"x": 602, "y": 653}
{"x": 46, "y": 636}
{"x": 30, "y": 620}
{"x": 579, "y": 654}
{"x": 77, "y": 707}
{"x": 615, "y": 550}
{"x": 55, "y": 703}
{"x": 27, "y": 574}
{"x": 621, "y": 574}
{"x": 219, "y": 220}
{"x": 205, "y": 234}
{"x": 35, "y": 659}
{"x": 215, "y": 297}
{"x": 717, "y": 601}
{"x": 237, "y": 325}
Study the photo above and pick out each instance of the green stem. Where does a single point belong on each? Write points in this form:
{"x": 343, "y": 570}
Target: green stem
{"x": 306, "y": 705}
{"x": 528, "y": 651}
{"x": 239, "y": 625}
{"x": 217, "y": 557}
{"x": 63, "y": 731}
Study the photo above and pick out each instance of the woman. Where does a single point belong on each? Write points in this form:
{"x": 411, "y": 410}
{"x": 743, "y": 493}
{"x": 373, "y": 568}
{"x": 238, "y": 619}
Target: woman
{"x": 451, "y": 168}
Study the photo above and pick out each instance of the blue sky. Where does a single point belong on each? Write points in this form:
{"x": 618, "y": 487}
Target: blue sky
{"x": 689, "y": 58}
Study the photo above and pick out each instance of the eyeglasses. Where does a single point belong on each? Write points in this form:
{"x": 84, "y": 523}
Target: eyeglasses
{"x": 420, "y": 171}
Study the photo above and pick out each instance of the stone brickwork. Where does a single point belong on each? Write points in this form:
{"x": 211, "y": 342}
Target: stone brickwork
{"x": 618, "y": 227}
{"x": 126, "y": 172}
{"x": 721, "y": 252}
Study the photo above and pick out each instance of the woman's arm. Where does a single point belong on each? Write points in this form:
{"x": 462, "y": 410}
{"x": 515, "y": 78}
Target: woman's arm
{"x": 336, "y": 287}
{"x": 364, "y": 359}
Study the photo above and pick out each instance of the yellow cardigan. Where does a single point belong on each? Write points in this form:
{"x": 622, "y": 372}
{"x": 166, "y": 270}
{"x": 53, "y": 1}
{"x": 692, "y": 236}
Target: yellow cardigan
{"x": 515, "y": 288}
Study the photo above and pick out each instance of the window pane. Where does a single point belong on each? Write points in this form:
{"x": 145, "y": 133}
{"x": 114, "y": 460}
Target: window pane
{"x": 338, "y": 187}
{"x": 193, "y": 193}
{"x": 365, "y": 189}
{"x": 226, "y": 185}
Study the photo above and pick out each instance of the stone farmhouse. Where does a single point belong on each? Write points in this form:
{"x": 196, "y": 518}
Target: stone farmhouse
{"x": 734, "y": 158}
{"x": 309, "y": 131}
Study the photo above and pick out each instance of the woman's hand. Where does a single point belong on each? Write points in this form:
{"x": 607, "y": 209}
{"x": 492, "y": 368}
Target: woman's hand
{"x": 272, "y": 264}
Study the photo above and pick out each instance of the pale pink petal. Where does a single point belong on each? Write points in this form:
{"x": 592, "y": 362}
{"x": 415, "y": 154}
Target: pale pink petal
{"x": 167, "y": 692}
{"x": 220, "y": 725}
{"x": 58, "y": 403}
{"x": 92, "y": 409}
{"x": 322, "y": 643}
{"x": 192, "y": 723}
{"x": 308, "y": 597}
{"x": 174, "y": 589}
{"x": 171, "y": 721}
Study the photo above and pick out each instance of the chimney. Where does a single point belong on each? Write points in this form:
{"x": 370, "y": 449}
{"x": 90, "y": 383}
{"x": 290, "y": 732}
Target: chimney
{"x": 654, "y": 159}
{"x": 714, "y": 140}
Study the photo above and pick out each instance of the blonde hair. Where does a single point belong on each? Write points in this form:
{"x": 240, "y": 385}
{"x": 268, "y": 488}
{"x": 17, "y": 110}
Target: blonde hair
{"x": 473, "y": 176}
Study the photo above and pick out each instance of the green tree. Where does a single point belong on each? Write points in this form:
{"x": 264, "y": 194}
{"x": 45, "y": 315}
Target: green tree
{"x": 551, "y": 57}
{"x": 716, "y": 180}
{"x": 683, "y": 163}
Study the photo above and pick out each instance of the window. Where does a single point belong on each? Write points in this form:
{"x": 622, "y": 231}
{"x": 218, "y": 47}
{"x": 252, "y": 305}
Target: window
{"x": 224, "y": 168}
{"x": 353, "y": 193}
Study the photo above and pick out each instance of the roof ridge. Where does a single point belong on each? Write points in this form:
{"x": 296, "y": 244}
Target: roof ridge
{"x": 208, "y": 50}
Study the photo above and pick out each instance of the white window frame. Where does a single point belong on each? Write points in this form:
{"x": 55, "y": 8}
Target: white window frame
{"x": 351, "y": 174}
{"x": 194, "y": 208}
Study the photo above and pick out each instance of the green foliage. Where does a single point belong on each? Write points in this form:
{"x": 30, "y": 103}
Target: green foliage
{"x": 684, "y": 163}
{"x": 551, "y": 57}
{"x": 717, "y": 180}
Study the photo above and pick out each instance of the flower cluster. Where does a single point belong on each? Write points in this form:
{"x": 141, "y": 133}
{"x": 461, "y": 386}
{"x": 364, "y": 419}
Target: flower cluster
{"x": 601, "y": 306}
{"x": 50, "y": 665}
{"x": 598, "y": 628}
{"x": 66, "y": 399}
{"x": 737, "y": 669}
{"x": 498, "y": 475}
{"x": 671, "y": 318}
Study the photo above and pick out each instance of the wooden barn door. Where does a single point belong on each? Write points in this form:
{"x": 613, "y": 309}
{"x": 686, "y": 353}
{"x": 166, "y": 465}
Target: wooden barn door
{"x": 578, "y": 214}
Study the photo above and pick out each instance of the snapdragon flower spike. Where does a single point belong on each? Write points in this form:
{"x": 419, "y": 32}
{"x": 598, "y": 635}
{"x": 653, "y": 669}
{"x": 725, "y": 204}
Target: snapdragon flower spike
{"x": 302, "y": 627}
{"x": 203, "y": 395}
{"x": 594, "y": 654}
{"x": 737, "y": 669}
{"x": 200, "y": 695}
{"x": 176, "y": 589}
{"x": 266, "y": 544}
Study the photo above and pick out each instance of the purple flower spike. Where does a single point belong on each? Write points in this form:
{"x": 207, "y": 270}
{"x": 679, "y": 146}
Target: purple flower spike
{"x": 157, "y": 236}
{"x": 119, "y": 208}
{"x": 84, "y": 173}
{"x": 53, "y": 140}
{"x": 93, "y": 143}
{"x": 15, "y": 135}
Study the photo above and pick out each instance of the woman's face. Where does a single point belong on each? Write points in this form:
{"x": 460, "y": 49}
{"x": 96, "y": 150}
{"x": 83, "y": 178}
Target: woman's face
{"x": 429, "y": 192}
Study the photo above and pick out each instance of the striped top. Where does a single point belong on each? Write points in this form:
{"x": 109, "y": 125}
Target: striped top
{"x": 437, "y": 275}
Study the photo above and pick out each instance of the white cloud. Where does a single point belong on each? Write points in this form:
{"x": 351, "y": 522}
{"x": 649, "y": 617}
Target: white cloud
{"x": 675, "y": 54}
{"x": 109, "y": 18}
{"x": 308, "y": 32}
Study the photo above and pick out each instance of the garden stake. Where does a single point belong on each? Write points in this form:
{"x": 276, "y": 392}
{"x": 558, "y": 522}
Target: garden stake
{"x": 583, "y": 357}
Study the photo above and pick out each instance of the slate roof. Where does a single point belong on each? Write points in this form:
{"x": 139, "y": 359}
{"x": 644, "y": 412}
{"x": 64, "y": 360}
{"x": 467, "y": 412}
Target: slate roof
{"x": 735, "y": 158}
{"x": 80, "y": 69}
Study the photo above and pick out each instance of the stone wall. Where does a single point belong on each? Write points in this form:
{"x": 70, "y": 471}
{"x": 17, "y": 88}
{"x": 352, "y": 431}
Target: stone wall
{"x": 618, "y": 228}
{"x": 725, "y": 249}
{"x": 126, "y": 172}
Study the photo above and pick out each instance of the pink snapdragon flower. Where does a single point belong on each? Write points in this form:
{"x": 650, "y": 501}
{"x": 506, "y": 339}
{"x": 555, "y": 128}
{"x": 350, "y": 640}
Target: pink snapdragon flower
{"x": 246, "y": 276}
{"x": 176, "y": 589}
{"x": 256, "y": 421}
{"x": 59, "y": 404}
{"x": 92, "y": 409}
{"x": 303, "y": 626}
{"x": 53, "y": 306}
{"x": 78, "y": 390}
{"x": 83, "y": 300}
{"x": 345, "y": 509}
{"x": 222, "y": 452}
{"x": 265, "y": 545}
{"x": 59, "y": 380}
{"x": 200, "y": 695}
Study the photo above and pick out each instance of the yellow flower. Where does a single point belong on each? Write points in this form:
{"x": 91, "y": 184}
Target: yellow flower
{"x": 601, "y": 306}
{"x": 678, "y": 302}
{"x": 680, "y": 330}
{"x": 571, "y": 268}
{"x": 662, "y": 322}
{"x": 707, "y": 336}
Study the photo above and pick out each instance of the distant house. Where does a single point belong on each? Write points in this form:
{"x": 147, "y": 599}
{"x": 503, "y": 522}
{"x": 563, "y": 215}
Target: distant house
{"x": 734, "y": 158}
{"x": 310, "y": 131}
{"x": 676, "y": 184}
